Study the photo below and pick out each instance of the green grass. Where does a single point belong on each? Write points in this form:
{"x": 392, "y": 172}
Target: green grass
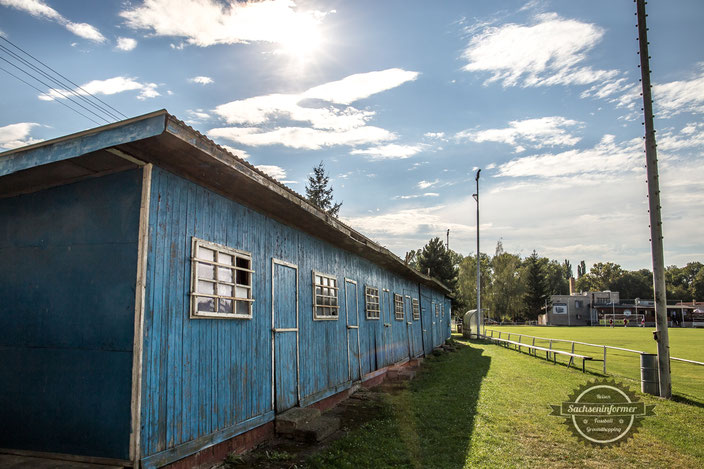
{"x": 486, "y": 406}
{"x": 687, "y": 379}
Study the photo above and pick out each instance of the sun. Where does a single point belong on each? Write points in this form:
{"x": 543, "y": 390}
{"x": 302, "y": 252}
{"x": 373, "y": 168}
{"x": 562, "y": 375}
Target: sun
{"x": 302, "y": 38}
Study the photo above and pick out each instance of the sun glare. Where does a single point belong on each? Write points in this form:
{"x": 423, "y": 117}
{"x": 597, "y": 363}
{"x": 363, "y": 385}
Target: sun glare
{"x": 302, "y": 39}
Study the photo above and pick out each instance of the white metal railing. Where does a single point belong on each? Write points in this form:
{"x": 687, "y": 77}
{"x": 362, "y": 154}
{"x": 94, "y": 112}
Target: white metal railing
{"x": 573, "y": 342}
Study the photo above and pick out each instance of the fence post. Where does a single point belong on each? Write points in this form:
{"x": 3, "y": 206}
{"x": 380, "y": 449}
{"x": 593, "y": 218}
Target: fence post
{"x": 604, "y": 359}
{"x": 571, "y": 358}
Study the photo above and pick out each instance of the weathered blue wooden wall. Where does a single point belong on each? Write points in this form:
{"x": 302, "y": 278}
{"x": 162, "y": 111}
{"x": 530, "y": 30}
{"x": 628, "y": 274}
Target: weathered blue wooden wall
{"x": 202, "y": 376}
{"x": 68, "y": 258}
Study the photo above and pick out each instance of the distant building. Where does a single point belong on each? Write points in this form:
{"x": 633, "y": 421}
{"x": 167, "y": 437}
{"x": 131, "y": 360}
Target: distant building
{"x": 577, "y": 308}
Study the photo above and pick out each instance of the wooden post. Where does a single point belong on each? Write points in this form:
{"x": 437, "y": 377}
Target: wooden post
{"x": 604, "y": 359}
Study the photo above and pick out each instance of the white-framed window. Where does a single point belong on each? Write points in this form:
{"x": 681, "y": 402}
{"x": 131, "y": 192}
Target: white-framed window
{"x": 398, "y": 307}
{"x": 325, "y": 304}
{"x": 221, "y": 281}
{"x": 371, "y": 298}
{"x": 416, "y": 310}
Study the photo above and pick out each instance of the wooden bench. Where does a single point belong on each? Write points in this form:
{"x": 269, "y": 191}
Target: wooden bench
{"x": 548, "y": 351}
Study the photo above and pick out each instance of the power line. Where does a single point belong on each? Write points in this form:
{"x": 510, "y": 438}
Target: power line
{"x": 54, "y": 89}
{"x": 58, "y": 82}
{"x": 59, "y": 74}
{"x": 60, "y": 102}
{"x": 64, "y": 91}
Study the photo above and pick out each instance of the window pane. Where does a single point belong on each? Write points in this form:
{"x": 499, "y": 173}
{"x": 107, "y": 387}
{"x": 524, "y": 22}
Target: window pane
{"x": 242, "y": 278}
{"x": 225, "y": 290}
{"x": 242, "y": 308}
{"x": 241, "y": 292}
{"x": 224, "y": 258}
{"x": 206, "y": 287}
{"x": 206, "y": 305}
{"x": 206, "y": 271}
{"x": 224, "y": 274}
{"x": 206, "y": 254}
{"x": 318, "y": 290}
{"x": 318, "y": 280}
{"x": 225, "y": 306}
{"x": 243, "y": 262}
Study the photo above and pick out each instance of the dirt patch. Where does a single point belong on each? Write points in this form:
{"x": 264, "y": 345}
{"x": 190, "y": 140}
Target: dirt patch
{"x": 363, "y": 406}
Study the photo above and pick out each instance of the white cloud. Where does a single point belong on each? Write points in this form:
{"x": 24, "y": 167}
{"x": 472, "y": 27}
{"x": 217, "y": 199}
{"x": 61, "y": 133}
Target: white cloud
{"x": 416, "y": 196}
{"x": 39, "y": 9}
{"x": 17, "y": 135}
{"x": 277, "y": 172}
{"x": 302, "y": 137}
{"x": 208, "y": 22}
{"x": 606, "y": 157}
{"x": 490, "y": 166}
{"x": 426, "y": 184}
{"x": 536, "y": 133}
{"x": 549, "y": 51}
{"x": 107, "y": 87}
{"x": 360, "y": 86}
{"x": 434, "y": 135}
{"x": 236, "y": 151}
{"x": 679, "y": 96}
{"x": 389, "y": 151}
{"x": 325, "y": 108}
{"x": 125, "y": 44}
{"x": 201, "y": 80}
{"x": 404, "y": 222}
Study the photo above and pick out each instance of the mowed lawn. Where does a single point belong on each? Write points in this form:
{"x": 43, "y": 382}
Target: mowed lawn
{"x": 486, "y": 406}
{"x": 687, "y": 379}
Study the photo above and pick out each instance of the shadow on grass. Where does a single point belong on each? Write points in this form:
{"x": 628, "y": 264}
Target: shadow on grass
{"x": 428, "y": 424}
{"x": 686, "y": 400}
{"x": 443, "y": 403}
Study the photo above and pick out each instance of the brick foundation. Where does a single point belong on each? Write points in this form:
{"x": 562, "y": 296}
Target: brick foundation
{"x": 218, "y": 452}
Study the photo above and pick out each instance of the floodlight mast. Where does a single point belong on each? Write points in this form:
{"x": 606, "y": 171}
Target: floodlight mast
{"x": 651, "y": 157}
{"x": 480, "y": 316}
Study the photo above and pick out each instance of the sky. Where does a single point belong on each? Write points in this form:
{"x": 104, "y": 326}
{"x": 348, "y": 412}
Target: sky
{"x": 403, "y": 101}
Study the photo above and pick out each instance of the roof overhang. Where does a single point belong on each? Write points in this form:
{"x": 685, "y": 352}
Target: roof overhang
{"x": 161, "y": 139}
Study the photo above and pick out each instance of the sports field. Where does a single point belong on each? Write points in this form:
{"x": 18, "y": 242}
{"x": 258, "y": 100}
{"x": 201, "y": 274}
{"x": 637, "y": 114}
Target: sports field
{"x": 687, "y": 379}
{"x": 486, "y": 406}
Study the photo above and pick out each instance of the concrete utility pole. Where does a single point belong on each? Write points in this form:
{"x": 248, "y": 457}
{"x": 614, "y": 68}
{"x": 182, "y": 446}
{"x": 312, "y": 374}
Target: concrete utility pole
{"x": 480, "y": 316}
{"x": 651, "y": 157}
{"x": 448, "y": 240}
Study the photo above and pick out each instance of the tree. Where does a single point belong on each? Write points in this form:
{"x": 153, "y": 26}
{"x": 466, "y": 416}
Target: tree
{"x": 318, "y": 193}
{"x": 506, "y": 289}
{"x": 602, "y": 276}
{"x": 435, "y": 257}
{"x": 556, "y": 277}
{"x": 567, "y": 268}
{"x": 536, "y": 295}
{"x": 467, "y": 283}
{"x": 581, "y": 269}
{"x": 698, "y": 286}
{"x": 635, "y": 284}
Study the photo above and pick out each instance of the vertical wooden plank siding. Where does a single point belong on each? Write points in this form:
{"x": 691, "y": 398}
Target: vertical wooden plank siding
{"x": 68, "y": 258}
{"x": 140, "y": 290}
{"x": 202, "y": 376}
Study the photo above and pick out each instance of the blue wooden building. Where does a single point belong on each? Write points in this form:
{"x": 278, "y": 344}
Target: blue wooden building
{"x": 160, "y": 296}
